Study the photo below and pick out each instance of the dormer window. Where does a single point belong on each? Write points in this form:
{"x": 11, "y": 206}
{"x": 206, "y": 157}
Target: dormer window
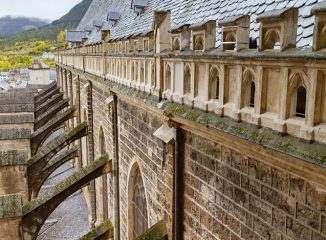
{"x": 319, "y": 38}
{"x": 127, "y": 46}
{"x": 203, "y": 35}
{"x": 235, "y": 32}
{"x": 113, "y": 17}
{"x": 278, "y": 29}
{"x": 138, "y": 5}
{"x": 180, "y": 38}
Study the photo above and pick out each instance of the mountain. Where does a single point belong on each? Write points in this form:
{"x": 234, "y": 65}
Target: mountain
{"x": 10, "y": 25}
{"x": 49, "y": 32}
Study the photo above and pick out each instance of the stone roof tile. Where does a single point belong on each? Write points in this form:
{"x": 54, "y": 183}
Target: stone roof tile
{"x": 192, "y": 12}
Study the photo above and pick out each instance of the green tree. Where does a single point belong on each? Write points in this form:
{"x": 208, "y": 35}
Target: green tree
{"x": 61, "y": 39}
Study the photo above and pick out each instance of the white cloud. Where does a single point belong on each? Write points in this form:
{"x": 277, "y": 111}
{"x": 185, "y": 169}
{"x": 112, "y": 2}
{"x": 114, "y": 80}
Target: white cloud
{"x": 45, "y": 9}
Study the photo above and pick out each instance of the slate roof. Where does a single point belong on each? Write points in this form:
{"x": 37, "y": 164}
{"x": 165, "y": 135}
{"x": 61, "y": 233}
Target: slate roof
{"x": 195, "y": 11}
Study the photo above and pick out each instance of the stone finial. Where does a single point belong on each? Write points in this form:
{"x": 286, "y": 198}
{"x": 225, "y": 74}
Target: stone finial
{"x": 278, "y": 29}
{"x": 319, "y": 35}
{"x": 203, "y": 35}
{"x": 235, "y": 32}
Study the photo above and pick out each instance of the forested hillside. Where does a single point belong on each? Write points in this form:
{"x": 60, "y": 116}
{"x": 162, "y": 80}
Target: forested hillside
{"x": 48, "y": 32}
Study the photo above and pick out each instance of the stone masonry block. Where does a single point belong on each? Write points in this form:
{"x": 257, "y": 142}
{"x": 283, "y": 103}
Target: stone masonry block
{"x": 279, "y": 200}
{"x": 316, "y": 197}
{"x": 279, "y": 220}
{"x": 308, "y": 216}
{"x": 298, "y": 189}
{"x": 280, "y": 180}
{"x": 296, "y": 230}
{"x": 260, "y": 209}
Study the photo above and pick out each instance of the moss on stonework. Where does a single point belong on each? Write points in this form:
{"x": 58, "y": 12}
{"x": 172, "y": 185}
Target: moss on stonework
{"x": 46, "y": 149}
{"x": 68, "y": 182}
{"x": 52, "y": 122}
{"x": 314, "y": 153}
{"x": 10, "y": 206}
{"x": 157, "y": 232}
{"x": 96, "y": 233}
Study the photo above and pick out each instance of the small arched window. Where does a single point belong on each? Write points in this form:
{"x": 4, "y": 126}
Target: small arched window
{"x": 187, "y": 80}
{"x": 252, "y": 94}
{"x": 214, "y": 81}
{"x": 176, "y": 44}
{"x": 167, "y": 77}
{"x": 199, "y": 43}
{"x": 272, "y": 40}
{"x": 229, "y": 41}
{"x": 301, "y": 102}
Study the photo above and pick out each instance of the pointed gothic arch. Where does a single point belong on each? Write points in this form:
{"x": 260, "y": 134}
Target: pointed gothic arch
{"x": 137, "y": 202}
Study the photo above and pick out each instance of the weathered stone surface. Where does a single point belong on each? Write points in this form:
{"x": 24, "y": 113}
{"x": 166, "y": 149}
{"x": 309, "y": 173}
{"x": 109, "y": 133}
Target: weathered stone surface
{"x": 156, "y": 232}
{"x": 37, "y": 211}
{"x": 16, "y": 119}
{"x": 13, "y": 157}
{"x": 10, "y": 206}
{"x": 51, "y": 112}
{"x": 102, "y": 232}
{"x": 14, "y": 133}
{"x": 40, "y": 135}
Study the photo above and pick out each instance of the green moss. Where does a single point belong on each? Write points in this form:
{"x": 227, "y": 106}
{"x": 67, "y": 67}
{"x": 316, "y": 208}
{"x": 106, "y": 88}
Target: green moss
{"x": 157, "y": 232}
{"x": 192, "y": 115}
{"x": 177, "y": 109}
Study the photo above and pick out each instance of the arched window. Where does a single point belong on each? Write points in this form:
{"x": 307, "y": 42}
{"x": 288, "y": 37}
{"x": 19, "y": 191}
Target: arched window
{"x": 248, "y": 91}
{"x": 139, "y": 206}
{"x": 301, "y": 102}
{"x": 167, "y": 77}
{"x": 105, "y": 196}
{"x": 214, "y": 81}
{"x": 199, "y": 43}
{"x": 252, "y": 94}
{"x": 187, "y": 80}
{"x": 176, "y": 44}
{"x": 272, "y": 40}
{"x": 230, "y": 41}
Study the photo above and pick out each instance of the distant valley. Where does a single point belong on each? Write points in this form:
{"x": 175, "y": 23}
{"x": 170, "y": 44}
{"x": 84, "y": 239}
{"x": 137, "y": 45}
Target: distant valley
{"x": 11, "y": 25}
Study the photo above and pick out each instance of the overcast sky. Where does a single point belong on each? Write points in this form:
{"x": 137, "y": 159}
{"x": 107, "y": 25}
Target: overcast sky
{"x": 45, "y": 9}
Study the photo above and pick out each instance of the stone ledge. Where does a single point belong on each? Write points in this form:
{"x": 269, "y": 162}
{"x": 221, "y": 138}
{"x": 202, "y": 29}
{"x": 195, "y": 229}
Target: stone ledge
{"x": 17, "y": 97}
{"x": 15, "y": 108}
{"x": 13, "y": 157}
{"x": 15, "y": 133}
{"x": 15, "y": 119}
{"x": 10, "y": 206}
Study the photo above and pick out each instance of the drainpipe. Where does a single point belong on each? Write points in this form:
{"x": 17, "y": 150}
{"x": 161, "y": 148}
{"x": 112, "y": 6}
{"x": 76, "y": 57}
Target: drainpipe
{"x": 116, "y": 167}
{"x": 178, "y": 184}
